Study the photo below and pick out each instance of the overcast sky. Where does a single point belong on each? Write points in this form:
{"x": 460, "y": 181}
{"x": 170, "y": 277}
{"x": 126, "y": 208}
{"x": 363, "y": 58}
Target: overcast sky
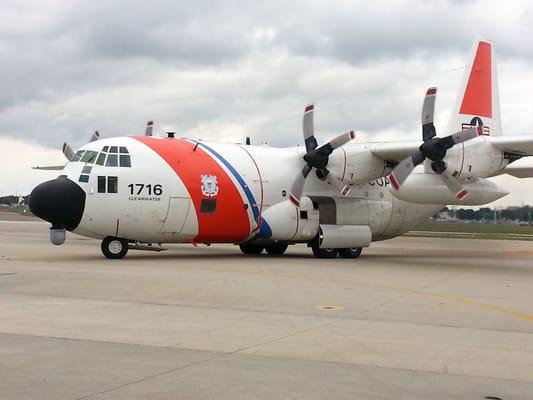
{"x": 223, "y": 70}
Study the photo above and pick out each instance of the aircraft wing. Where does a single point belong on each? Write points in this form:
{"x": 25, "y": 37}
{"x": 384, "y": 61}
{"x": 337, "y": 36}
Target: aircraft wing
{"x": 521, "y": 145}
{"x": 393, "y": 151}
{"x": 50, "y": 167}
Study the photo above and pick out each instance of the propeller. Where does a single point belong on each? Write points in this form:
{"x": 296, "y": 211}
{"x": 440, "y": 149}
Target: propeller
{"x": 94, "y": 137}
{"x": 69, "y": 153}
{"x": 433, "y": 148}
{"x": 318, "y": 157}
{"x": 149, "y": 128}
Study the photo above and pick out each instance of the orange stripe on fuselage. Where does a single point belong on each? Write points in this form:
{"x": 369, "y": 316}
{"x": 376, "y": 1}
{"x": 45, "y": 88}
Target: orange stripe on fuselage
{"x": 229, "y": 223}
{"x": 477, "y": 99}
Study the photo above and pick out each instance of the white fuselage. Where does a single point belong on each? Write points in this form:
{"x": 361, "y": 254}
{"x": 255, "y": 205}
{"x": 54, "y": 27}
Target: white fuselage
{"x": 161, "y": 197}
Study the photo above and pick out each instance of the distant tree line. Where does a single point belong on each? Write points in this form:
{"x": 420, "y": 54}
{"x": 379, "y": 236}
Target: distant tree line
{"x": 524, "y": 213}
{"x": 8, "y": 200}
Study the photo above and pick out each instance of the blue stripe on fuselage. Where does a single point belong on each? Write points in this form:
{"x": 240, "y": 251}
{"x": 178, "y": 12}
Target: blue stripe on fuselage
{"x": 264, "y": 229}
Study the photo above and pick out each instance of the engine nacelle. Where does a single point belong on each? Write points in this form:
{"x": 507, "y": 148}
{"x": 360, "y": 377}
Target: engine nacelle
{"x": 344, "y": 236}
{"x": 290, "y": 223}
{"x": 429, "y": 189}
{"x": 356, "y": 164}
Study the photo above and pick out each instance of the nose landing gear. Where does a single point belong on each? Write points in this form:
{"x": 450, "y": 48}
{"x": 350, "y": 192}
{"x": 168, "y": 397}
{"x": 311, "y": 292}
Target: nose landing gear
{"x": 114, "y": 248}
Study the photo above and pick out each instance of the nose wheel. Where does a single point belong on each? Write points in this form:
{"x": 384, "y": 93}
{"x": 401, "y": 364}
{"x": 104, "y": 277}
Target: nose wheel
{"x": 114, "y": 248}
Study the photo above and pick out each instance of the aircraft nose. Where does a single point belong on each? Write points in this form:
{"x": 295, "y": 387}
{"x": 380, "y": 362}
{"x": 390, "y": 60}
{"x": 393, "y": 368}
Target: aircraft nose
{"x": 59, "y": 201}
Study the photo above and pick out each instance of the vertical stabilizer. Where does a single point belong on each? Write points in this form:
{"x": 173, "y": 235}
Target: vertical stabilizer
{"x": 479, "y": 102}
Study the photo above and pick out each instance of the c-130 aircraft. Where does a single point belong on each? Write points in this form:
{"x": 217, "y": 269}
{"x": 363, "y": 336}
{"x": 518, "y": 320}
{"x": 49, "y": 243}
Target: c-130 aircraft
{"x": 139, "y": 192}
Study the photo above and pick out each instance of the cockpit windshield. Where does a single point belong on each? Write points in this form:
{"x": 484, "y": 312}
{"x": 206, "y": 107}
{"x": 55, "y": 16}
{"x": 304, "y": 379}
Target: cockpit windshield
{"x": 78, "y": 155}
{"x": 89, "y": 157}
{"x": 110, "y": 156}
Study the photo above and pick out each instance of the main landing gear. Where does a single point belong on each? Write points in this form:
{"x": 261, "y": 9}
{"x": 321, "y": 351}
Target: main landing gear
{"x": 280, "y": 248}
{"x": 352, "y": 252}
{"x": 255, "y": 249}
{"x": 114, "y": 248}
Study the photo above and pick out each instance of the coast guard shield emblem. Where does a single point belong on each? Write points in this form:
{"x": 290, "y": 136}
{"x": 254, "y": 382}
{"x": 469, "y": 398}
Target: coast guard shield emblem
{"x": 209, "y": 185}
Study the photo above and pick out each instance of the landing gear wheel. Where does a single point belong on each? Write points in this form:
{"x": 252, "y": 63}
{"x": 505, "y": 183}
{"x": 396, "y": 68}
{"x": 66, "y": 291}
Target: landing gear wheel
{"x": 352, "y": 252}
{"x": 249, "y": 248}
{"x": 114, "y": 248}
{"x": 276, "y": 249}
{"x": 323, "y": 253}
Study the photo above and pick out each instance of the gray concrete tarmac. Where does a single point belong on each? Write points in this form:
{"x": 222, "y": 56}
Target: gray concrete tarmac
{"x": 413, "y": 318}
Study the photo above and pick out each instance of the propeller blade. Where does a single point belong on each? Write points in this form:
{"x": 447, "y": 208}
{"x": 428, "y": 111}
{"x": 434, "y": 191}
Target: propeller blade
{"x": 428, "y": 110}
{"x": 400, "y": 173}
{"x": 298, "y": 186}
{"x": 337, "y": 142}
{"x": 454, "y": 185}
{"x": 308, "y": 128}
{"x": 335, "y": 181}
{"x": 467, "y": 134}
{"x": 460, "y": 137}
{"x": 149, "y": 128}
{"x": 67, "y": 151}
{"x": 341, "y": 140}
{"x": 94, "y": 137}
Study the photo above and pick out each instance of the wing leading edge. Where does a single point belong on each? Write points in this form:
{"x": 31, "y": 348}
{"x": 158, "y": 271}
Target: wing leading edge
{"x": 393, "y": 151}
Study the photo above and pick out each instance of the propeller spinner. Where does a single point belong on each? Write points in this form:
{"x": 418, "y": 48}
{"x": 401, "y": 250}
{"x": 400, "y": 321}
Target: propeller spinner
{"x": 318, "y": 157}
{"x": 433, "y": 148}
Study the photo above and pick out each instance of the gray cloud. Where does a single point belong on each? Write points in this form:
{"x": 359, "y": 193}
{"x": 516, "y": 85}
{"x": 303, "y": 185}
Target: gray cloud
{"x": 212, "y": 68}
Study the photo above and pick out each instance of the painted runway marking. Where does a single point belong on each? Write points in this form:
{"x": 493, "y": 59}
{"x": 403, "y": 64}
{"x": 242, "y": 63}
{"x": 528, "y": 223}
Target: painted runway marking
{"x": 450, "y": 297}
